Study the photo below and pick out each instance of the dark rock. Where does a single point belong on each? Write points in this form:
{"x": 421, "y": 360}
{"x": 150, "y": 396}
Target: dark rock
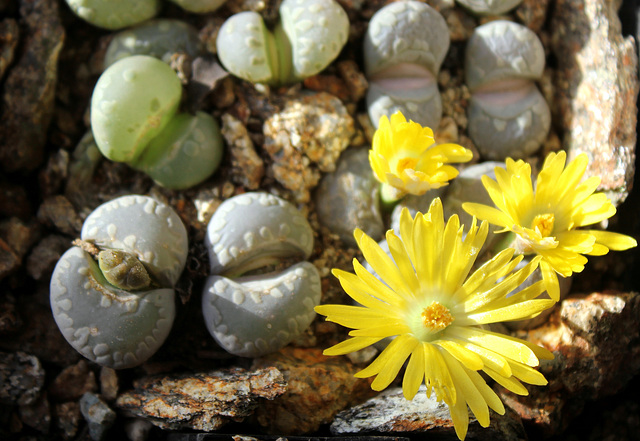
{"x": 247, "y": 168}
{"x": 354, "y": 79}
{"x": 9, "y": 36}
{"x": 10, "y": 320}
{"x": 51, "y": 178}
{"x": 201, "y": 401}
{"x": 318, "y": 388}
{"x": 596, "y": 343}
{"x": 29, "y": 87}
{"x": 21, "y": 378}
{"x": 20, "y": 236}
{"x": 100, "y": 417}
{"x": 596, "y": 80}
{"x": 9, "y": 260}
{"x": 66, "y": 417}
{"x": 137, "y": 429}
{"x": 37, "y": 414}
{"x": 390, "y": 412}
{"x": 14, "y": 201}
{"x": 533, "y": 13}
{"x": 73, "y": 382}
{"x": 43, "y": 257}
{"x": 58, "y": 211}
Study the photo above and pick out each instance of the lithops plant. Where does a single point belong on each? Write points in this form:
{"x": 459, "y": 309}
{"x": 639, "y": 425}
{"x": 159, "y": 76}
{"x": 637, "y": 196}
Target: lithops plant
{"x": 114, "y": 14}
{"x": 404, "y": 47}
{"x": 199, "y": 6}
{"x": 252, "y": 314}
{"x": 117, "y": 311}
{"x": 159, "y": 38}
{"x": 508, "y": 116}
{"x": 134, "y": 120}
{"x": 309, "y": 36}
{"x": 489, "y": 7}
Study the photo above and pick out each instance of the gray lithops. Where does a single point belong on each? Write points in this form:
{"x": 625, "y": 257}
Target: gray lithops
{"x": 121, "y": 320}
{"x": 252, "y": 315}
{"x": 309, "y": 36}
{"x": 349, "y": 198}
{"x": 404, "y": 47}
{"x": 508, "y": 116}
{"x": 114, "y": 14}
{"x": 489, "y": 7}
{"x": 159, "y": 38}
{"x": 415, "y": 204}
{"x": 253, "y": 230}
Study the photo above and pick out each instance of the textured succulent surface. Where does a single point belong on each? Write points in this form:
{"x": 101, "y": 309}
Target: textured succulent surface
{"x": 132, "y": 102}
{"x": 502, "y": 50}
{"x": 116, "y": 327}
{"x": 252, "y": 315}
{"x": 185, "y": 153}
{"x": 404, "y": 47}
{"x": 255, "y": 229}
{"x": 508, "y": 116}
{"x": 489, "y": 7}
{"x": 199, "y": 6}
{"x": 159, "y": 38}
{"x": 144, "y": 227}
{"x": 115, "y": 14}
{"x": 310, "y": 34}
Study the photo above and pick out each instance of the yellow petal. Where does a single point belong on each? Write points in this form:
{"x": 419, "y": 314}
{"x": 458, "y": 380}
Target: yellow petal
{"x": 468, "y": 358}
{"x": 550, "y": 280}
{"x": 613, "y": 241}
{"x": 467, "y": 389}
{"x": 404, "y": 347}
{"x": 414, "y": 374}
{"x": 490, "y": 214}
{"x": 510, "y": 383}
{"x": 351, "y": 345}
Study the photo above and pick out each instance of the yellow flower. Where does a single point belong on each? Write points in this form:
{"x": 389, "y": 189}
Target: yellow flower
{"x": 546, "y": 219}
{"x": 405, "y": 157}
{"x": 437, "y": 314}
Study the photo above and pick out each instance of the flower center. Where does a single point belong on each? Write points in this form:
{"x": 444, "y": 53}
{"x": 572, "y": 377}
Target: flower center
{"x": 406, "y": 163}
{"x": 436, "y": 317}
{"x": 543, "y": 224}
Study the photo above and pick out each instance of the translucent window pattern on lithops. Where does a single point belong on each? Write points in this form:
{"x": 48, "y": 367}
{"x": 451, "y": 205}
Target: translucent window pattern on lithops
{"x": 508, "y": 116}
{"x": 309, "y": 36}
{"x": 252, "y": 314}
{"x": 404, "y": 47}
{"x": 114, "y": 14}
{"x": 160, "y": 38}
{"x": 117, "y": 326}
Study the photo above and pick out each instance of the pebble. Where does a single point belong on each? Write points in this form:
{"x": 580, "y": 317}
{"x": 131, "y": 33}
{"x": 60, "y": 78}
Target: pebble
{"x": 22, "y": 378}
{"x": 99, "y": 416}
{"x": 247, "y": 168}
{"x": 73, "y": 382}
{"x": 305, "y": 139}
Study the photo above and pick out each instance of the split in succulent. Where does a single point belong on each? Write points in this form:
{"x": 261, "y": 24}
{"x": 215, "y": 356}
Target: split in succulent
{"x": 404, "y": 47}
{"x": 249, "y": 308}
{"x": 489, "y": 7}
{"x": 547, "y": 219}
{"x": 135, "y": 119}
{"x": 508, "y": 116}
{"x": 308, "y": 37}
{"x": 426, "y": 299}
{"x": 112, "y": 295}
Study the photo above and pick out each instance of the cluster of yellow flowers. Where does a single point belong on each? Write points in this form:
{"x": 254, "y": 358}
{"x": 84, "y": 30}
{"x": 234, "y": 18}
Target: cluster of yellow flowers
{"x": 425, "y": 297}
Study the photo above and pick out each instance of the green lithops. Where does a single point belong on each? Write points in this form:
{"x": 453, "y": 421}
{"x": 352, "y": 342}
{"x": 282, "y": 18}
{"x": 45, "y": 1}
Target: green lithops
{"x": 132, "y": 102}
{"x": 199, "y": 6}
{"x": 114, "y": 14}
{"x": 159, "y": 38}
{"x": 309, "y": 36}
{"x": 135, "y": 119}
{"x": 189, "y": 149}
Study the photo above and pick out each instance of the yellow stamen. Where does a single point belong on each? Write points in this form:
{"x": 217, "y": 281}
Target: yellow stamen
{"x": 543, "y": 223}
{"x": 406, "y": 163}
{"x": 436, "y": 317}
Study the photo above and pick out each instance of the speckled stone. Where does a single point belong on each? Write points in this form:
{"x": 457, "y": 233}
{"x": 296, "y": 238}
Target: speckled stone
{"x": 390, "y": 412}
{"x": 305, "y": 139}
{"x": 201, "y": 401}
{"x": 597, "y": 86}
{"x": 22, "y": 378}
{"x": 349, "y": 198}
{"x": 318, "y": 388}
